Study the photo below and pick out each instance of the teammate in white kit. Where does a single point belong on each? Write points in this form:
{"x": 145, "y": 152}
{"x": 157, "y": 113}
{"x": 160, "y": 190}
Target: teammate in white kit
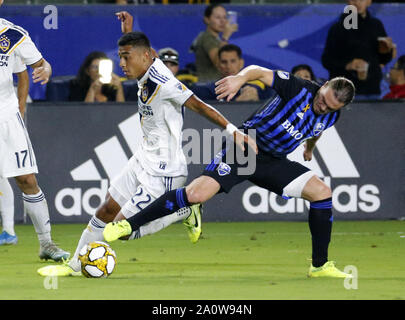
{"x": 17, "y": 156}
{"x": 8, "y": 235}
{"x": 160, "y": 165}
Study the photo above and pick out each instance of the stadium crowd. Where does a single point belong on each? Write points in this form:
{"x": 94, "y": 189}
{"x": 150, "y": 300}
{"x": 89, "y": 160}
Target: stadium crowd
{"x": 359, "y": 54}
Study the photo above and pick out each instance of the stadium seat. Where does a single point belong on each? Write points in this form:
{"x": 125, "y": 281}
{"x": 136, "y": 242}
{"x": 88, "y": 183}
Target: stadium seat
{"x": 57, "y": 88}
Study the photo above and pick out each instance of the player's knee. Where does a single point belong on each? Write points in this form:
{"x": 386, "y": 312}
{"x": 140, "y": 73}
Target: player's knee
{"x": 107, "y": 212}
{"x": 27, "y": 183}
{"x": 323, "y": 192}
{"x": 194, "y": 196}
{"x": 201, "y": 189}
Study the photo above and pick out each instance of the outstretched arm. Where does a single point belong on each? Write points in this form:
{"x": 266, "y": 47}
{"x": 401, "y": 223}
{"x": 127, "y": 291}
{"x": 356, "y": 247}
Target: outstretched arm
{"x": 228, "y": 87}
{"x": 197, "y": 105}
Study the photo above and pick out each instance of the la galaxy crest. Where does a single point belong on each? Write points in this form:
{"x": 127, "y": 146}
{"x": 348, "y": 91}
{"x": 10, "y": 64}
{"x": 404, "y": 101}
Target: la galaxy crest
{"x": 4, "y": 43}
{"x": 319, "y": 127}
{"x": 144, "y": 93}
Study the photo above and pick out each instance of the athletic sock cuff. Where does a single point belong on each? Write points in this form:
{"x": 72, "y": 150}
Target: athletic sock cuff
{"x": 97, "y": 223}
{"x": 181, "y": 198}
{"x": 33, "y": 197}
{"x": 322, "y": 204}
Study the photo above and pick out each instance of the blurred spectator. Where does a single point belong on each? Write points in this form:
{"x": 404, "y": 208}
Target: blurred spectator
{"x": 303, "y": 71}
{"x": 88, "y": 88}
{"x": 208, "y": 42}
{"x": 170, "y": 58}
{"x": 357, "y": 53}
{"x": 397, "y": 80}
{"x": 230, "y": 63}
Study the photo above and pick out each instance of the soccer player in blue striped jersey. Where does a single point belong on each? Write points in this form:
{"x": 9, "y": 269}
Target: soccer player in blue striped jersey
{"x": 299, "y": 113}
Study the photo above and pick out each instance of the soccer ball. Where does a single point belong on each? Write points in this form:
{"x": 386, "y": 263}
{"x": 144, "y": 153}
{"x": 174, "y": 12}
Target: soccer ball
{"x": 97, "y": 259}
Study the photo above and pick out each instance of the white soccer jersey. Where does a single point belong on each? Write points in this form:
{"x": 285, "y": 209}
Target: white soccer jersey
{"x": 160, "y": 101}
{"x": 16, "y": 49}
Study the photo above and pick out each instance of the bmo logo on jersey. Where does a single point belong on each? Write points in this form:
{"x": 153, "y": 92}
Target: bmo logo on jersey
{"x": 339, "y": 166}
{"x": 290, "y": 129}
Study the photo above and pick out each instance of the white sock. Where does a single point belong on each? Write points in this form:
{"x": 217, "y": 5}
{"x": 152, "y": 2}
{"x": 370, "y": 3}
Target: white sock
{"x": 7, "y": 206}
{"x": 93, "y": 232}
{"x": 161, "y": 223}
{"x": 37, "y": 208}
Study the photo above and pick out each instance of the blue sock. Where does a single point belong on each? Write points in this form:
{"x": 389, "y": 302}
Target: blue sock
{"x": 167, "y": 204}
{"x": 320, "y": 224}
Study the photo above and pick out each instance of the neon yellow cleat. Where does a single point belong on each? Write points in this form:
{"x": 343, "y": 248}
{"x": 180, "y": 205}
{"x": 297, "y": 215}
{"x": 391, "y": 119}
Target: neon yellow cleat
{"x": 328, "y": 270}
{"x": 193, "y": 222}
{"x": 116, "y": 230}
{"x": 58, "y": 271}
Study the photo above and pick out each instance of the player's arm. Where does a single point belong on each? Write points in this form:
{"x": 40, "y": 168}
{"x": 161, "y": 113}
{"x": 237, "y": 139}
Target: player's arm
{"x": 309, "y": 147}
{"x": 207, "y": 111}
{"x": 22, "y": 90}
{"x": 42, "y": 71}
{"x": 127, "y": 24}
{"x": 228, "y": 87}
{"x": 127, "y": 21}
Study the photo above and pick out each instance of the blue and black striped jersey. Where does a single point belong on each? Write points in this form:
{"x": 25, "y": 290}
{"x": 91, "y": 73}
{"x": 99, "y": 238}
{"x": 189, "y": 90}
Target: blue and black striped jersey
{"x": 288, "y": 119}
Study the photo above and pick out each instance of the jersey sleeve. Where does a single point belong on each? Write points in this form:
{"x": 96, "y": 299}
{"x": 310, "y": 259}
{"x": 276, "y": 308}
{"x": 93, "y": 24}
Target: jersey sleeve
{"x": 176, "y": 92}
{"x": 27, "y": 51}
{"x": 19, "y": 66}
{"x": 286, "y": 85}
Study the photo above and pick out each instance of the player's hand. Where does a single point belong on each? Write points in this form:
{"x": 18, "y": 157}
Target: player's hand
{"x": 240, "y": 139}
{"x": 41, "y": 74}
{"x": 127, "y": 21}
{"x": 228, "y": 87}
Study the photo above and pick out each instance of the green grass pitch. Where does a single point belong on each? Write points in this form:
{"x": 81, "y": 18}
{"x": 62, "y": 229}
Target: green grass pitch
{"x": 232, "y": 261}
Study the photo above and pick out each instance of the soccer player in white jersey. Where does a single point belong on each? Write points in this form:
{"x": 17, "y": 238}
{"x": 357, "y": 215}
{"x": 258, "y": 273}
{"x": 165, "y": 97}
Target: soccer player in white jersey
{"x": 160, "y": 165}
{"x": 17, "y": 156}
{"x": 8, "y": 235}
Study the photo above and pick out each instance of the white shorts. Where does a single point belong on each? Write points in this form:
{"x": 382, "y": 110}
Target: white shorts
{"x": 17, "y": 156}
{"x": 134, "y": 189}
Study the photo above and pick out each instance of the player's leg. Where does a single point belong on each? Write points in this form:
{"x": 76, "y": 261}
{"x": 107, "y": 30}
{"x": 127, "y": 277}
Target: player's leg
{"x": 151, "y": 188}
{"x": 320, "y": 220}
{"x": 8, "y": 235}
{"x": 218, "y": 176}
{"x": 309, "y": 187}
{"x": 200, "y": 190}
{"x": 36, "y": 207}
{"x": 174, "y": 204}
{"x": 94, "y": 229}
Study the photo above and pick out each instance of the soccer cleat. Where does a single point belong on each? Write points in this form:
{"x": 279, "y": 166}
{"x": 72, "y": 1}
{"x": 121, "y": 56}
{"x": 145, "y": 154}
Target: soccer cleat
{"x": 328, "y": 270}
{"x": 63, "y": 270}
{"x": 193, "y": 222}
{"x": 116, "y": 230}
{"x": 6, "y": 238}
{"x": 51, "y": 251}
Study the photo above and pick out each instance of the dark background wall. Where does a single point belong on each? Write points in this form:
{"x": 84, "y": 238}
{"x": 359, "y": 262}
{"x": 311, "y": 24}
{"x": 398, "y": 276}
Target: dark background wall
{"x": 80, "y": 147}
